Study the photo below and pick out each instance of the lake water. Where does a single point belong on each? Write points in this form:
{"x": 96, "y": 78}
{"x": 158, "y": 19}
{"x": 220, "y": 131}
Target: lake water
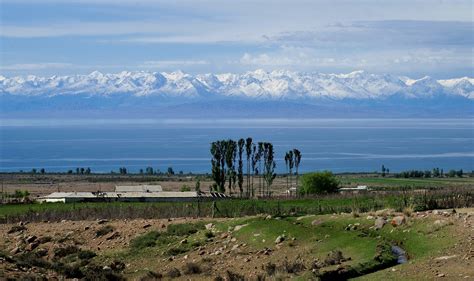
{"x": 335, "y": 144}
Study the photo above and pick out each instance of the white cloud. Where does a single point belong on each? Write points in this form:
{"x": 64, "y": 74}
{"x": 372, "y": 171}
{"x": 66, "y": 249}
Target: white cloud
{"x": 35, "y": 66}
{"x": 172, "y": 63}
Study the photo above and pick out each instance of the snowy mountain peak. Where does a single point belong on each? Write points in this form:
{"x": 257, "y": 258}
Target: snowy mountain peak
{"x": 258, "y": 84}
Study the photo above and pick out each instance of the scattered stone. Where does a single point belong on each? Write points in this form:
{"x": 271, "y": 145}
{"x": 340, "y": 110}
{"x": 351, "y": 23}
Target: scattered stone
{"x": 209, "y": 226}
{"x": 280, "y": 239}
{"x": 369, "y": 217}
{"x": 379, "y": 223}
{"x": 32, "y": 246}
{"x": 443, "y": 258}
{"x": 30, "y": 238}
{"x": 15, "y": 250}
{"x": 113, "y": 236}
{"x": 224, "y": 235}
{"x": 398, "y": 220}
{"x": 233, "y": 239}
{"x": 239, "y": 227}
{"x": 16, "y": 228}
{"x": 235, "y": 247}
{"x": 102, "y": 221}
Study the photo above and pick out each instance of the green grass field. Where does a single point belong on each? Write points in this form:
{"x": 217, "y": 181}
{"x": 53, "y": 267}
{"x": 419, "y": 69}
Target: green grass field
{"x": 382, "y": 182}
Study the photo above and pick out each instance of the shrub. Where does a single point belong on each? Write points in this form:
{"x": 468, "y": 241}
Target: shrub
{"x": 176, "y": 251}
{"x": 319, "y": 183}
{"x": 270, "y": 268}
{"x": 192, "y": 268}
{"x": 66, "y": 251}
{"x": 184, "y": 229}
{"x": 173, "y": 273}
{"x": 208, "y": 234}
{"x": 146, "y": 240}
{"x": 104, "y": 230}
{"x": 86, "y": 255}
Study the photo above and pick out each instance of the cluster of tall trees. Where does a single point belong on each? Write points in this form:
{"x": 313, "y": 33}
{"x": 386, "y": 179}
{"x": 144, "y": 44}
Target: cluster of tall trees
{"x": 292, "y": 160}
{"x": 227, "y": 161}
{"x": 434, "y": 173}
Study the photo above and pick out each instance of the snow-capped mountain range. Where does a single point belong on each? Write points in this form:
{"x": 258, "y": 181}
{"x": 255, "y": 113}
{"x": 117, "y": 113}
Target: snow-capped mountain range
{"x": 259, "y": 84}
{"x": 281, "y": 94}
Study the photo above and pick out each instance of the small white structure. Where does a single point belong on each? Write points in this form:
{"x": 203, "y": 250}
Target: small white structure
{"x": 165, "y": 196}
{"x": 359, "y": 188}
{"x": 138, "y": 188}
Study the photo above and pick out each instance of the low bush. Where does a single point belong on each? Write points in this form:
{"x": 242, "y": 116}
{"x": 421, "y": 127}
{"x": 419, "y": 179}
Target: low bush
{"x": 173, "y": 273}
{"x": 184, "y": 229}
{"x": 192, "y": 268}
{"x": 86, "y": 255}
{"x": 65, "y": 251}
{"x": 146, "y": 240}
{"x": 104, "y": 230}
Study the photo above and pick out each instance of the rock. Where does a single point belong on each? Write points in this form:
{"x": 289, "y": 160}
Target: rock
{"x": 370, "y": 217}
{"x": 209, "y": 226}
{"x": 233, "y": 239}
{"x": 42, "y": 252}
{"x": 316, "y": 222}
{"x": 106, "y": 268}
{"x": 239, "y": 227}
{"x": 30, "y": 238}
{"x": 32, "y": 246}
{"x": 185, "y": 257}
{"x": 443, "y": 258}
{"x": 102, "y": 221}
{"x": 147, "y": 226}
{"x": 201, "y": 253}
{"x": 440, "y": 223}
{"x": 398, "y": 220}
{"x": 269, "y": 217}
{"x": 224, "y": 235}
{"x": 15, "y": 250}
{"x": 441, "y": 275}
{"x": 235, "y": 247}
{"x": 280, "y": 239}
{"x": 113, "y": 236}
{"x": 379, "y": 223}
{"x": 16, "y": 228}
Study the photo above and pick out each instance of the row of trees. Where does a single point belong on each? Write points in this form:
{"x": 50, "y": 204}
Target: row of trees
{"x": 228, "y": 165}
{"x": 292, "y": 160}
{"x": 227, "y": 161}
{"x": 435, "y": 173}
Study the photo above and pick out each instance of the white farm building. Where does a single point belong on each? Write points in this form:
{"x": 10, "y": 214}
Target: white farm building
{"x": 140, "y": 193}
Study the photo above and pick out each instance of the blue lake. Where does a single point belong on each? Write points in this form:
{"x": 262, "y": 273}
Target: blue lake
{"x": 356, "y": 145}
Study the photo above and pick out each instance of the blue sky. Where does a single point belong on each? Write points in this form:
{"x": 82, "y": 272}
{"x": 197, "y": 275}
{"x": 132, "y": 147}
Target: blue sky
{"x": 404, "y": 37}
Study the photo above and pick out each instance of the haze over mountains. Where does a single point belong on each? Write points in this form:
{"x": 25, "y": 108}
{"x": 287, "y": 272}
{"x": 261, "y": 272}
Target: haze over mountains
{"x": 252, "y": 94}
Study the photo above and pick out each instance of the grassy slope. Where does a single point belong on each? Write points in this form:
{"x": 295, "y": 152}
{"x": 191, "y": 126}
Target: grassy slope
{"x": 418, "y": 238}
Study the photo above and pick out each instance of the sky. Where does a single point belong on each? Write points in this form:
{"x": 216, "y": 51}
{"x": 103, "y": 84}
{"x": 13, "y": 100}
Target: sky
{"x": 403, "y": 37}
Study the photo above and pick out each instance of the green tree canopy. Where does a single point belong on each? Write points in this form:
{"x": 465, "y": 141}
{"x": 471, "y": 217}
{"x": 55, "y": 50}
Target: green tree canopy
{"x": 319, "y": 183}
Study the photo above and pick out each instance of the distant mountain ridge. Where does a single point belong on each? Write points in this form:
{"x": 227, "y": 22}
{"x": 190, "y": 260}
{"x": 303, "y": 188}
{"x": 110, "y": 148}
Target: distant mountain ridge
{"x": 357, "y": 90}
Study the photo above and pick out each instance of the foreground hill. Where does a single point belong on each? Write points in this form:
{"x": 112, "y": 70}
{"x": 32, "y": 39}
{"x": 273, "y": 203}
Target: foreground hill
{"x": 257, "y": 93}
{"x": 425, "y": 245}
